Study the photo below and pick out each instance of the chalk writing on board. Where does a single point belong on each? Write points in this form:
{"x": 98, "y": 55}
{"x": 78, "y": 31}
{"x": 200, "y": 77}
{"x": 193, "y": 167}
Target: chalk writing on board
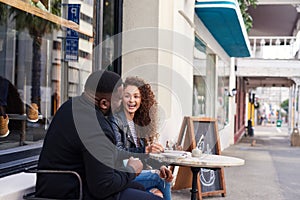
{"x": 207, "y": 176}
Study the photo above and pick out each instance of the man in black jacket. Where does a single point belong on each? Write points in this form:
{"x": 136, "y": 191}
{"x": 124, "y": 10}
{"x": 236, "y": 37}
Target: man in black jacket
{"x": 81, "y": 139}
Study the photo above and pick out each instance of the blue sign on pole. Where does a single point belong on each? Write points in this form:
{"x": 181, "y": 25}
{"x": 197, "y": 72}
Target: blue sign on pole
{"x": 71, "y": 49}
{"x": 72, "y": 38}
{"x": 74, "y": 12}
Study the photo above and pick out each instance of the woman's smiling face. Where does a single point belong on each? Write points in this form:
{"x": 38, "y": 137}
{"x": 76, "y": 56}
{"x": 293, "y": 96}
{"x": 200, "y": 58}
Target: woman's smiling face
{"x": 131, "y": 99}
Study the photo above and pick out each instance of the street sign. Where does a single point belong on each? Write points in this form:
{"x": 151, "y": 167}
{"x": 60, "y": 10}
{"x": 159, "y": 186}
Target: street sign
{"x": 74, "y": 16}
{"x": 71, "y": 42}
{"x": 74, "y": 12}
{"x": 71, "y": 49}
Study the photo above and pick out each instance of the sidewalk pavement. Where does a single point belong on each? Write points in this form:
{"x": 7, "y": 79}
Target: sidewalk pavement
{"x": 271, "y": 170}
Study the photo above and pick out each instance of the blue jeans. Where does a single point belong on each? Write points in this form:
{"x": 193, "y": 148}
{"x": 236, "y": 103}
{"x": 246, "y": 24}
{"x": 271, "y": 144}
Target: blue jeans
{"x": 152, "y": 180}
{"x": 135, "y": 194}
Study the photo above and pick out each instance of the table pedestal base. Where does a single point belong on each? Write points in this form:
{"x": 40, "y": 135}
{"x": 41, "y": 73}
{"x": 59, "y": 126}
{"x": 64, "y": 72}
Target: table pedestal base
{"x": 194, "y": 190}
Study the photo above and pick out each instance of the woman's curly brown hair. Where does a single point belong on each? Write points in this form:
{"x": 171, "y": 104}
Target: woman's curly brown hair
{"x": 145, "y": 118}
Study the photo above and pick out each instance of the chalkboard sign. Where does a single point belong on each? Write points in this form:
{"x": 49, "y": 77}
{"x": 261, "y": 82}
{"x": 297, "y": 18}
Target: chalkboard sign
{"x": 201, "y": 133}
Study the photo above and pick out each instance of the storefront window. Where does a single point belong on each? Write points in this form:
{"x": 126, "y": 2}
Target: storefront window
{"x": 199, "y": 81}
{"x": 210, "y": 83}
{"x": 223, "y": 94}
{"x": 44, "y": 60}
{"x": 199, "y": 93}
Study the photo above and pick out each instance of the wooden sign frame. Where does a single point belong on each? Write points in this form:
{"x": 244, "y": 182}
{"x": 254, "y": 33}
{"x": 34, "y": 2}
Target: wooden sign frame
{"x": 191, "y": 131}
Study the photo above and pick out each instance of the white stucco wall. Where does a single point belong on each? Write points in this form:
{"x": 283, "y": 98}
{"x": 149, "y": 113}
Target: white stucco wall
{"x": 159, "y": 48}
{"x": 158, "y": 45}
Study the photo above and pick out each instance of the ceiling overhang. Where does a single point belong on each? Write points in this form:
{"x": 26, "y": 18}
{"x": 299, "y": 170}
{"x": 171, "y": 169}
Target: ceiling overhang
{"x": 254, "y": 82}
{"x": 274, "y": 20}
{"x": 224, "y": 21}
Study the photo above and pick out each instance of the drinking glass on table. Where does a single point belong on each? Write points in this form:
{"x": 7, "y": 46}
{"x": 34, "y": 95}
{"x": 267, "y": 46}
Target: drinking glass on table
{"x": 154, "y": 146}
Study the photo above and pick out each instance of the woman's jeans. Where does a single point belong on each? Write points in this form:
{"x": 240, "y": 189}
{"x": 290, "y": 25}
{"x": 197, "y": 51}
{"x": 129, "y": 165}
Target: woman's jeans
{"x": 150, "y": 179}
{"x": 135, "y": 194}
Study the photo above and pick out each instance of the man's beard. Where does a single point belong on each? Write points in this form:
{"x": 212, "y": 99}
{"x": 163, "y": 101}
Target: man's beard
{"x": 108, "y": 112}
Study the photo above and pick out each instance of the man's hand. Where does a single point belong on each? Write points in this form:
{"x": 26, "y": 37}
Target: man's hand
{"x": 166, "y": 173}
{"x": 154, "y": 148}
{"x": 136, "y": 164}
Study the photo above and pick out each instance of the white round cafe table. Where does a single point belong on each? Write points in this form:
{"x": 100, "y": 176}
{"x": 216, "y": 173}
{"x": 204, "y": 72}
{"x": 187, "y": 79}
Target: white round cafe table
{"x": 204, "y": 161}
{"x": 196, "y": 163}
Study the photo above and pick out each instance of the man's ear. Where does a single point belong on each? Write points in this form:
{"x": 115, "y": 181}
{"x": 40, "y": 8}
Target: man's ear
{"x": 104, "y": 104}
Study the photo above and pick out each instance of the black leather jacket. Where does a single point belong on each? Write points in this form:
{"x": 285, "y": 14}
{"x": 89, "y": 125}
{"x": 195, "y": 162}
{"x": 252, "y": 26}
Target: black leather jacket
{"x": 123, "y": 135}
{"x": 125, "y": 142}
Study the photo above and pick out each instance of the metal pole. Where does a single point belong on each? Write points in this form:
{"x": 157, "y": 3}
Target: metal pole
{"x": 279, "y": 113}
{"x": 294, "y": 104}
{"x": 117, "y": 30}
{"x": 97, "y": 34}
{"x": 298, "y": 92}
{"x": 64, "y": 78}
{"x": 290, "y": 119}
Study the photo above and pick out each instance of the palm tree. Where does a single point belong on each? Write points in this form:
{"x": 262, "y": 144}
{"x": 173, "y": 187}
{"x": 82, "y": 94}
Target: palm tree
{"x": 37, "y": 28}
{"x": 3, "y": 16}
{"x": 4, "y": 12}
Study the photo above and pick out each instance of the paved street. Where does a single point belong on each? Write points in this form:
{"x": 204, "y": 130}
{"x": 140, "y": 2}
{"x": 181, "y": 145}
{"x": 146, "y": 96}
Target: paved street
{"x": 271, "y": 169}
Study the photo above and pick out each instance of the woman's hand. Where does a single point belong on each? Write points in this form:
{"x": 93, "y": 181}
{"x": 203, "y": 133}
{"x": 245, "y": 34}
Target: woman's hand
{"x": 154, "y": 148}
{"x": 166, "y": 173}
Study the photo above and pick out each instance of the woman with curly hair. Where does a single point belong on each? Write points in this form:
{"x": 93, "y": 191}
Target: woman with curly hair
{"x": 135, "y": 128}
